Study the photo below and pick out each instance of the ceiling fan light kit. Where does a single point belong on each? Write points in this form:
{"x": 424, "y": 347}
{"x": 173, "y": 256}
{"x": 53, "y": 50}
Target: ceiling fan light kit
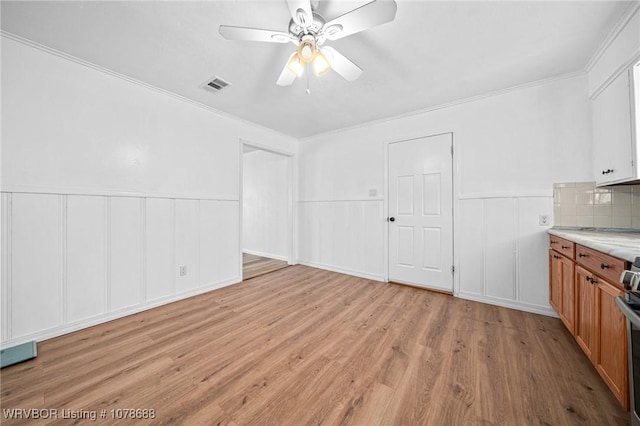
{"x": 321, "y": 64}
{"x": 295, "y": 65}
{"x": 308, "y": 30}
{"x": 307, "y": 48}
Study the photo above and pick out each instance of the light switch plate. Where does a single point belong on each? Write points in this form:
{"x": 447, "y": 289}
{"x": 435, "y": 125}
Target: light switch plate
{"x": 373, "y": 192}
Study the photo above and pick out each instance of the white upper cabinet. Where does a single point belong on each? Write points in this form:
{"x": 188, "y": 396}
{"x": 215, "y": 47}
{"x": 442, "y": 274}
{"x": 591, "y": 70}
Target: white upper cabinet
{"x": 614, "y": 92}
{"x": 614, "y": 147}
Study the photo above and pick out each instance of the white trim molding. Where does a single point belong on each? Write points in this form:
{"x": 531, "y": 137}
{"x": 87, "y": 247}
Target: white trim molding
{"x": 505, "y": 303}
{"x": 37, "y": 189}
{"x": 63, "y": 55}
{"x": 353, "y": 272}
{"x": 110, "y": 316}
{"x": 633, "y": 8}
{"x": 449, "y": 104}
{"x": 269, "y": 255}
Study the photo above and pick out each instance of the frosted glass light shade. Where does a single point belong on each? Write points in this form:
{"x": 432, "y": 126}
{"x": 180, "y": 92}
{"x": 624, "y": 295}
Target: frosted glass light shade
{"x": 321, "y": 65}
{"x": 296, "y": 66}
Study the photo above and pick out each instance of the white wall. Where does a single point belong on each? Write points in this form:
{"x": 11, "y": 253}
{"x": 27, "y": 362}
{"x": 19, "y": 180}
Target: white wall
{"x": 108, "y": 186}
{"x": 509, "y": 150}
{"x": 265, "y": 205}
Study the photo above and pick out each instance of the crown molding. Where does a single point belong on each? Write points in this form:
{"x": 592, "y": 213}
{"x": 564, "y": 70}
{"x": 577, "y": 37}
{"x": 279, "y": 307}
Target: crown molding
{"x": 63, "y": 55}
{"x": 632, "y": 9}
{"x": 449, "y": 104}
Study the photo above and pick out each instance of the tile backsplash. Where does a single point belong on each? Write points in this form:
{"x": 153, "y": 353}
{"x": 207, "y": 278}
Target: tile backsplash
{"x": 581, "y": 204}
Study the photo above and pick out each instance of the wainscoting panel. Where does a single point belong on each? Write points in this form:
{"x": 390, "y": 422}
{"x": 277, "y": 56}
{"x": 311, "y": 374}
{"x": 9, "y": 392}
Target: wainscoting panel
{"x": 533, "y": 246}
{"x": 187, "y": 244}
{"x": 502, "y": 252}
{"x": 500, "y": 248}
{"x": 125, "y": 259}
{"x": 470, "y": 250}
{"x": 210, "y": 248}
{"x": 34, "y": 300}
{"x": 71, "y": 261}
{"x": 159, "y": 244}
{"x": 86, "y": 286}
{"x": 343, "y": 235}
{"x": 225, "y": 217}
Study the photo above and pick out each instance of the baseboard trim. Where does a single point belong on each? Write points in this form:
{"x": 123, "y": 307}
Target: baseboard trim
{"x": 110, "y": 316}
{"x": 355, "y": 273}
{"x": 520, "y": 306}
{"x": 269, "y": 255}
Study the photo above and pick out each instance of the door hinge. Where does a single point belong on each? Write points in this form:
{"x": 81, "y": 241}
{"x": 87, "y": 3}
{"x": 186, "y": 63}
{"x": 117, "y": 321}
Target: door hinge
{"x": 452, "y": 150}
{"x": 453, "y": 269}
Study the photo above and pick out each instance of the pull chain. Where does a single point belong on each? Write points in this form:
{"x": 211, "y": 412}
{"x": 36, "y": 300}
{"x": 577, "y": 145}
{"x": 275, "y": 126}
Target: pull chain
{"x": 307, "y": 72}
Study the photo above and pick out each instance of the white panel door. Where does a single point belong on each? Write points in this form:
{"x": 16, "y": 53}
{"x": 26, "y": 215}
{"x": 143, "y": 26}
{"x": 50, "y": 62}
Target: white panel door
{"x": 421, "y": 212}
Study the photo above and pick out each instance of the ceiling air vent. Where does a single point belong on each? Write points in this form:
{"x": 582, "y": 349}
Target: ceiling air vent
{"x": 215, "y": 85}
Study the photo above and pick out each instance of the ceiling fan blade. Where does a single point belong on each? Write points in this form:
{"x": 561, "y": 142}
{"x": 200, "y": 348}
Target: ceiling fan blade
{"x": 343, "y": 66}
{"x": 301, "y": 12}
{"x": 286, "y": 76}
{"x": 253, "y": 34}
{"x": 370, "y": 15}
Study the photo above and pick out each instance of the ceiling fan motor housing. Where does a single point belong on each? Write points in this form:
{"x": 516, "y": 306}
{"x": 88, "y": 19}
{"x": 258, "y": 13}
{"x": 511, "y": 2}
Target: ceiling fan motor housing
{"x": 297, "y": 30}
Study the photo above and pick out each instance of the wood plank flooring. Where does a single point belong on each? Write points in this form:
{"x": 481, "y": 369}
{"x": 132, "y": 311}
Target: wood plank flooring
{"x": 306, "y": 346}
{"x": 254, "y": 266}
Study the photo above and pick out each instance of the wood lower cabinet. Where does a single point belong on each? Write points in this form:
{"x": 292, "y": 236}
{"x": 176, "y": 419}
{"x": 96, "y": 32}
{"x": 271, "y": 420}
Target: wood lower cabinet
{"x": 582, "y": 292}
{"x": 585, "y": 329}
{"x": 611, "y": 355}
{"x": 561, "y": 288}
{"x": 555, "y": 284}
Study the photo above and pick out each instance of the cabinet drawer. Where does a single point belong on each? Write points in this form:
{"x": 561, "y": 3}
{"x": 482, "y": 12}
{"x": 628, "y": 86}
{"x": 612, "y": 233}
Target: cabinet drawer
{"x": 563, "y": 246}
{"x": 606, "y": 266}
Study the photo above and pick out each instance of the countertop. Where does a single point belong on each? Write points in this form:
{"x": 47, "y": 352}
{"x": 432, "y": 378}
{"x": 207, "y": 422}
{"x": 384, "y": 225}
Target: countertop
{"x": 623, "y": 245}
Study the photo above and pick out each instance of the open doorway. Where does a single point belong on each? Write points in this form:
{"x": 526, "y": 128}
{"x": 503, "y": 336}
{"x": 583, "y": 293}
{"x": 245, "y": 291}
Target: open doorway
{"x": 267, "y": 210}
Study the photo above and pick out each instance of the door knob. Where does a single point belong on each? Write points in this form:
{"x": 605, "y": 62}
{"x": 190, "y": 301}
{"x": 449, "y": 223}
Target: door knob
{"x": 392, "y": 219}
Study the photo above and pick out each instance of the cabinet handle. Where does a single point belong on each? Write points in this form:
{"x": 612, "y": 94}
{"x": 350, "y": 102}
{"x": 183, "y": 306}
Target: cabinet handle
{"x": 553, "y": 242}
{"x": 582, "y": 255}
{"x": 594, "y": 281}
{"x": 604, "y": 266}
{"x": 565, "y": 247}
{"x": 606, "y": 172}
{"x": 588, "y": 279}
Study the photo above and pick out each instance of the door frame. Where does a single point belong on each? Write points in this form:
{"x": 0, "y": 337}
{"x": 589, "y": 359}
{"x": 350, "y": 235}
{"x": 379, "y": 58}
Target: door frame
{"x": 291, "y": 211}
{"x": 454, "y": 186}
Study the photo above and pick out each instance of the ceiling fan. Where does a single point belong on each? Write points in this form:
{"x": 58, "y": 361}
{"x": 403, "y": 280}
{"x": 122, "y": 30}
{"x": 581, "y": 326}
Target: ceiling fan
{"x": 309, "y": 31}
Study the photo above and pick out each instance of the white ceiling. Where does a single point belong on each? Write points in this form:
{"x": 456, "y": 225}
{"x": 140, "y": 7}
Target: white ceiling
{"x": 433, "y": 53}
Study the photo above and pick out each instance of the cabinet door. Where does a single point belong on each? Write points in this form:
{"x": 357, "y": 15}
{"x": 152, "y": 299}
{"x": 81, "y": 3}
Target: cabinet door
{"x": 612, "y": 133}
{"x": 555, "y": 278}
{"x": 567, "y": 312}
{"x": 585, "y": 326}
{"x": 611, "y": 356}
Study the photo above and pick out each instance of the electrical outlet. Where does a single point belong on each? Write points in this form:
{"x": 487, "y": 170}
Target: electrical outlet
{"x": 544, "y": 220}
{"x": 183, "y": 270}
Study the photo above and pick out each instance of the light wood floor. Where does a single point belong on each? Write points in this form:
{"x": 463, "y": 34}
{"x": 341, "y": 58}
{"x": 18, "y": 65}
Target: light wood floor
{"x": 253, "y": 266}
{"x": 305, "y": 346}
